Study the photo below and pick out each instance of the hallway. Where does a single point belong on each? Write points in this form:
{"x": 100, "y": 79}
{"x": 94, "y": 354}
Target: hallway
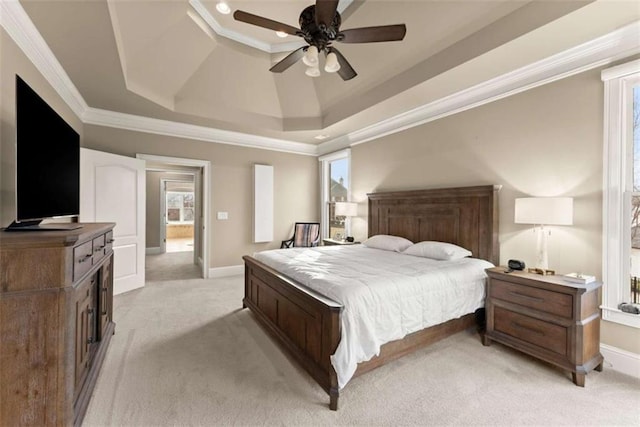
{"x": 182, "y": 244}
{"x": 171, "y": 266}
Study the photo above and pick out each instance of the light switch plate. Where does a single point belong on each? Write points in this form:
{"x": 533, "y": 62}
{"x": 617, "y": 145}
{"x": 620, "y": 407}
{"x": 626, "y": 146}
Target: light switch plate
{"x": 223, "y": 215}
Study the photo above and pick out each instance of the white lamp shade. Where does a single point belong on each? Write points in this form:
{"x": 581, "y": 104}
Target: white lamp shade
{"x": 313, "y": 72}
{"x": 331, "y": 65}
{"x": 310, "y": 58}
{"x": 346, "y": 209}
{"x": 544, "y": 210}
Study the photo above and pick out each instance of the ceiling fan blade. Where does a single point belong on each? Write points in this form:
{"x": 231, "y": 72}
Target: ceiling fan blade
{"x": 288, "y": 61}
{"x": 326, "y": 11}
{"x": 346, "y": 71}
{"x": 383, "y": 33}
{"x": 250, "y": 18}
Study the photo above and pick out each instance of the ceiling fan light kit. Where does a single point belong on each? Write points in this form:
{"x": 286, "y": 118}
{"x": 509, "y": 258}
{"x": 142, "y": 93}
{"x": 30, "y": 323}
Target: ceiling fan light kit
{"x": 310, "y": 58}
{"x": 320, "y": 27}
{"x": 331, "y": 65}
{"x": 313, "y": 72}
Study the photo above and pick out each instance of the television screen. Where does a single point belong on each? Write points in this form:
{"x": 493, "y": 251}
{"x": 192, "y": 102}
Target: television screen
{"x": 48, "y": 159}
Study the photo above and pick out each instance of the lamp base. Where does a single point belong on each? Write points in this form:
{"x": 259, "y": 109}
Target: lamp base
{"x": 542, "y": 271}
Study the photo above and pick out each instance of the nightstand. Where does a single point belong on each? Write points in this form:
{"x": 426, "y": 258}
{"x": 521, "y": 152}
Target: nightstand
{"x": 332, "y": 242}
{"x": 545, "y": 317}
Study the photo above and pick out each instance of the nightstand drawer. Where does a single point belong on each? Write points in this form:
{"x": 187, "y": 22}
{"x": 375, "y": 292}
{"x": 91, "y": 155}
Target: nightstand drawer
{"x": 534, "y": 331}
{"x": 539, "y": 299}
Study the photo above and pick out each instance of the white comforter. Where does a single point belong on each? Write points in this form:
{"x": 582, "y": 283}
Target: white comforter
{"x": 385, "y": 295}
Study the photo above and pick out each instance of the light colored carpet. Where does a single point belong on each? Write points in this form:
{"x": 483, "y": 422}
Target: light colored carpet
{"x": 185, "y": 353}
{"x": 171, "y": 266}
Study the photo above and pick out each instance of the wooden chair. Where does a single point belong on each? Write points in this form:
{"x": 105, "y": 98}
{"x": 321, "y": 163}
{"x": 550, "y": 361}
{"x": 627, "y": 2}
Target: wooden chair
{"x": 305, "y": 234}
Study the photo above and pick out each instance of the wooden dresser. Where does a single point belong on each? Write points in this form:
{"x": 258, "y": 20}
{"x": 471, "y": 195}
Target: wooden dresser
{"x": 547, "y": 317}
{"x": 56, "y": 293}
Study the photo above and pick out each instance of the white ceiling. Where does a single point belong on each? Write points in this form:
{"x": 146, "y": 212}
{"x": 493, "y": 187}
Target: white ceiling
{"x": 184, "y": 62}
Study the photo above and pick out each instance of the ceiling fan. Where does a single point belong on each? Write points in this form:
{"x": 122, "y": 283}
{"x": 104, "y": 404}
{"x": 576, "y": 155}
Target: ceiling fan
{"x": 320, "y": 27}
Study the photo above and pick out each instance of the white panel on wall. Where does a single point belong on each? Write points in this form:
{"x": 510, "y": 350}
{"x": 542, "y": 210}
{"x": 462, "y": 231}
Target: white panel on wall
{"x": 262, "y": 203}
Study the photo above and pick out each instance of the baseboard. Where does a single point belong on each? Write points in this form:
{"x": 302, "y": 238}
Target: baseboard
{"x": 621, "y": 360}
{"x": 153, "y": 251}
{"x": 232, "y": 270}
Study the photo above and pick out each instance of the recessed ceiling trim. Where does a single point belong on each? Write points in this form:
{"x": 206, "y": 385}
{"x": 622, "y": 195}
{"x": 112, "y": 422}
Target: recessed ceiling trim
{"x": 99, "y": 117}
{"x": 248, "y": 40}
{"x": 595, "y": 53}
{"x": 598, "y": 52}
{"x": 18, "y": 25}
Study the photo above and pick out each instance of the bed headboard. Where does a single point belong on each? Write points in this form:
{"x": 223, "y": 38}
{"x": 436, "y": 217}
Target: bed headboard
{"x": 465, "y": 216}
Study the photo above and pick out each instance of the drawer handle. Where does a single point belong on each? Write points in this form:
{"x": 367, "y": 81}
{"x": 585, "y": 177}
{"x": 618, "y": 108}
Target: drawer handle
{"x": 98, "y": 249}
{"x": 518, "y": 294}
{"x": 104, "y": 291}
{"x": 528, "y": 328}
{"x": 111, "y": 240}
{"x": 90, "y": 314}
{"x": 86, "y": 258}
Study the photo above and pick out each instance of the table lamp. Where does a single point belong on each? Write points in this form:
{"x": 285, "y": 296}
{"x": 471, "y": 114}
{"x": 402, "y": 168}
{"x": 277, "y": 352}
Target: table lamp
{"x": 346, "y": 209}
{"x": 542, "y": 211}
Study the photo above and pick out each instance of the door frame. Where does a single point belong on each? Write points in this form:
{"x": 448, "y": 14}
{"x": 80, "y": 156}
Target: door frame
{"x": 163, "y": 205}
{"x": 206, "y": 197}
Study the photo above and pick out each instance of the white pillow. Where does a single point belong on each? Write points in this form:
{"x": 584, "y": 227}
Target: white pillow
{"x": 437, "y": 250}
{"x": 387, "y": 243}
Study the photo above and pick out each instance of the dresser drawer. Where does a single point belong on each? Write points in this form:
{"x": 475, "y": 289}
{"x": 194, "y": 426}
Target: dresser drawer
{"x": 539, "y": 299}
{"x": 99, "y": 247}
{"x": 82, "y": 255}
{"x": 534, "y": 331}
{"x": 108, "y": 241}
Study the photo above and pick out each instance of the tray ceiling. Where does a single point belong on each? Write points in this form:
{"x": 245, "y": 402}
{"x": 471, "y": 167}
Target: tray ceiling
{"x": 167, "y": 60}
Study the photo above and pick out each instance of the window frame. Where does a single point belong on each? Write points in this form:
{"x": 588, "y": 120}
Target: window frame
{"x": 325, "y": 186}
{"x": 617, "y": 190}
{"x": 182, "y": 221}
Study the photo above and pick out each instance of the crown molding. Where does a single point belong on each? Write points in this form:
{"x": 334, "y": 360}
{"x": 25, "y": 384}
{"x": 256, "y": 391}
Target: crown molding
{"x": 18, "y": 25}
{"x": 99, "y": 117}
{"x": 598, "y": 52}
{"x": 595, "y": 53}
{"x": 220, "y": 30}
{"x": 621, "y": 70}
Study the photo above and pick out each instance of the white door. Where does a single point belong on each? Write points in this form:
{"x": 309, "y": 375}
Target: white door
{"x": 112, "y": 189}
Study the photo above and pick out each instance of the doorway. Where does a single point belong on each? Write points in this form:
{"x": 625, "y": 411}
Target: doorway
{"x": 178, "y": 209}
{"x": 177, "y": 218}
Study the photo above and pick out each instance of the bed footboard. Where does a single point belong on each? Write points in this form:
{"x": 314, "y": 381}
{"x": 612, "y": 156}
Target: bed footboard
{"x": 307, "y": 327}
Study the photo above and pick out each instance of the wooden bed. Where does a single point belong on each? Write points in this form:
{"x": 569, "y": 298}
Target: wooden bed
{"x": 308, "y": 326}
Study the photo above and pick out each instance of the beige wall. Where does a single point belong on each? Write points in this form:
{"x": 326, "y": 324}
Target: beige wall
{"x": 12, "y": 62}
{"x": 547, "y": 141}
{"x": 296, "y": 176}
{"x": 296, "y": 185}
{"x": 543, "y": 142}
{"x": 153, "y": 203}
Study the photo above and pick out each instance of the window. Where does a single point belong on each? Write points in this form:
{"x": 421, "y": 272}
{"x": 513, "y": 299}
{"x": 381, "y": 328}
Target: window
{"x": 335, "y": 177}
{"x": 635, "y": 200}
{"x": 621, "y": 191}
{"x": 180, "y": 207}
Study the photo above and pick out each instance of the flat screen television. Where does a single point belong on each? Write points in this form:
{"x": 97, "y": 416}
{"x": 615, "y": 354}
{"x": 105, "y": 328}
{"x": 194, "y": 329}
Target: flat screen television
{"x": 47, "y": 164}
